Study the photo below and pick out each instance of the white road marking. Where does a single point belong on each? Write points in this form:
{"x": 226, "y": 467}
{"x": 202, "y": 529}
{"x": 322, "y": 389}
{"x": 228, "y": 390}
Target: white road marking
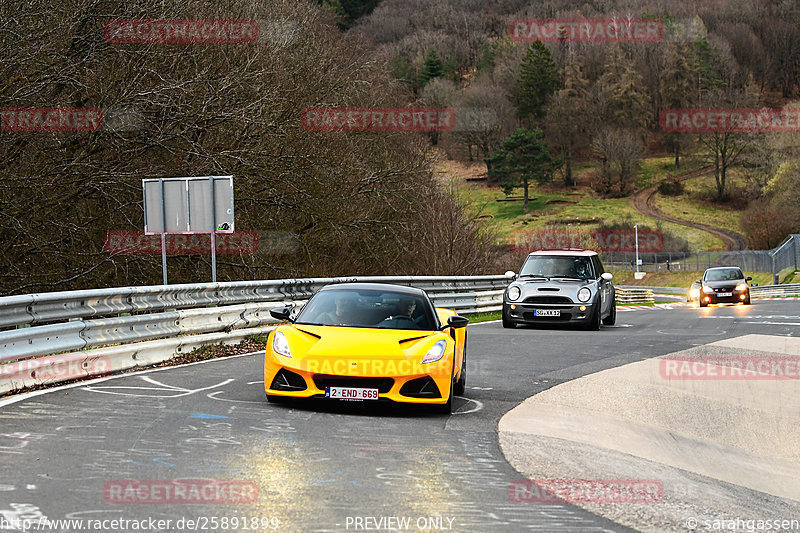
{"x": 24, "y": 396}
{"x": 476, "y": 409}
{"x": 163, "y": 387}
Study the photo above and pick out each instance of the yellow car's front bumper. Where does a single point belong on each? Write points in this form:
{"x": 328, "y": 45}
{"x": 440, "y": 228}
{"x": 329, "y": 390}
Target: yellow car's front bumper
{"x": 399, "y": 377}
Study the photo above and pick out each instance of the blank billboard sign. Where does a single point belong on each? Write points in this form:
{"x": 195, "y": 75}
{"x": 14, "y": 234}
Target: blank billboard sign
{"x": 187, "y": 204}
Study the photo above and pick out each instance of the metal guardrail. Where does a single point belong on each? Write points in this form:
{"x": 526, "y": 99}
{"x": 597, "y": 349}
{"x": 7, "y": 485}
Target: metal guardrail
{"x": 769, "y": 291}
{"x": 86, "y": 319}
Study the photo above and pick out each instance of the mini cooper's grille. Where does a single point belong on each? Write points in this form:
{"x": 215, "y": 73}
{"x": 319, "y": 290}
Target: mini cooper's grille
{"x": 383, "y": 385}
{"x": 288, "y": 381}
{"x": 547, "y": 300}
{"x": 423, "y": 387}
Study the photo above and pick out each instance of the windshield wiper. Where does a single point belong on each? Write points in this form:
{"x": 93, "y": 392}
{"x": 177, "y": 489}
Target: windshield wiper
{"x": 537, "y": 276}
{"x": 568, "y": 277}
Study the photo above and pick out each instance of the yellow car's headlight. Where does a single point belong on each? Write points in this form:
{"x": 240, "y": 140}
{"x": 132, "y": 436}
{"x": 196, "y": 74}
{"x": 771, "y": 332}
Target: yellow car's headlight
{"x": 435, "y": 353}
{"x": 280, "y": 345}
{"x": 741, "y": 287}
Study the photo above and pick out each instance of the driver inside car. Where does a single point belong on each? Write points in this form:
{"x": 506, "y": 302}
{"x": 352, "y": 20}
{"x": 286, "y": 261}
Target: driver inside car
{"x": 580, "y": 269}
{"x": 404, "y": 314}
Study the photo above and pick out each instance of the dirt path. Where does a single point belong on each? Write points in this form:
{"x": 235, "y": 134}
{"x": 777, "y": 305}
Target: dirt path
{"x": 644, "y": 201}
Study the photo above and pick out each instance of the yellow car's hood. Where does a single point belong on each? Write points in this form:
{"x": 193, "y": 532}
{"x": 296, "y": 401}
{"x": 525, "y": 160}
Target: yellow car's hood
{"x": 332, "y": 341}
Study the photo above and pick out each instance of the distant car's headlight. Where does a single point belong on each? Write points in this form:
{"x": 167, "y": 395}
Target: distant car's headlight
{"x": 707, "y": 289}
{"x": 281, "y": 345}
{"x": 741, "y": 287}
{"x": 513, "y": 293}
{"x": 694, "y": 293}
{"x": 435, "y": 353}
{"x": 584, "y": 294}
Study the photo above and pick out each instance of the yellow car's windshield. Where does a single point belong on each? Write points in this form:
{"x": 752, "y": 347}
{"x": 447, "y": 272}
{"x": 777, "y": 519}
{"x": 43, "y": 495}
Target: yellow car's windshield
{"x": 368, "y": 309}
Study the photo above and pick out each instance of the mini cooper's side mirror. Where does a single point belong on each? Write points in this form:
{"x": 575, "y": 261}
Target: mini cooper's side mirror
{"x": 748, "y": 278}
{"x": 281, "y": 313}
{"x": 511, "y": 275}
{"x": 608, "y": 276}
{"x": 457, "y": 321}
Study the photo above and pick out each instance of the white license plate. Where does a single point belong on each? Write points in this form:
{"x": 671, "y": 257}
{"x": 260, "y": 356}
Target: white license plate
{"x": 351, "y": 393}
{"x": 547, "y": 312}
{"x": 724, "y": 294}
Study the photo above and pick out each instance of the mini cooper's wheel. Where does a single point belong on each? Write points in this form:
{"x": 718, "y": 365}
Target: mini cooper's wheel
{"x": 594, "y": 322}
{"x": 611, "y": 319}
{"x": 507, "y": 322}
{"x": 461, "y": 384}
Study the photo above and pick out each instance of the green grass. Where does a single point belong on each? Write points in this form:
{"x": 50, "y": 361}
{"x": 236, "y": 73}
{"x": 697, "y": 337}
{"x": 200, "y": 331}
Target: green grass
{"x": 580, "y": 209}
{"x": 475, "y": 318}
{"x": 685, "y": 208}
{"x": 655, "y": 169}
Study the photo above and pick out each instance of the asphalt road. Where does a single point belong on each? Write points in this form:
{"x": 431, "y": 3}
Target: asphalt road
{"x": 326, "y": 467}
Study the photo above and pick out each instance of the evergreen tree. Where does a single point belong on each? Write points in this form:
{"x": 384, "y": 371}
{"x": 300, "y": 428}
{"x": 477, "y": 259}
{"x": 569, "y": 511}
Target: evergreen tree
{"x": 566, "y": 123}
{"x": 623, "y": 87}
{"x": 523, "y": 157}
{"x": 432, "y": 68}
{"x": 676, "y": 90}
{"x": 538, "y": 80}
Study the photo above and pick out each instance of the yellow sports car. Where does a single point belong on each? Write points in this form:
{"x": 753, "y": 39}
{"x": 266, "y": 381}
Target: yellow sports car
{"x": 368, "y": 342}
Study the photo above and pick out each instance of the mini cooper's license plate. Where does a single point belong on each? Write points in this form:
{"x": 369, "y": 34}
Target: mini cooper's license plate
{"x": 351, "y": 393}
{"x": 546, "y": 312}
{"x": 724, "y": 294}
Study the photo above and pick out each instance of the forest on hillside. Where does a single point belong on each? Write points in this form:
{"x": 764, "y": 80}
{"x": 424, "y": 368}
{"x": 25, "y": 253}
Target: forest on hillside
{"x": 602, "y": 101}
{"x": 334, "y": 203}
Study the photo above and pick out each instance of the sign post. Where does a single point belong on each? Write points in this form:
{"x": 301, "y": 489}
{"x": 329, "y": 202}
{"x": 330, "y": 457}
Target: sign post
{"x": 188, "y": 206}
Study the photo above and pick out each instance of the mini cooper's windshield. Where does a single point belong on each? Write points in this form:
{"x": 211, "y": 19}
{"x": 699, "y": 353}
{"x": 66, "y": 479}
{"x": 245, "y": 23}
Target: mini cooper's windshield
{"x": 368, "y": 309}
{"x": 551, "y": 266}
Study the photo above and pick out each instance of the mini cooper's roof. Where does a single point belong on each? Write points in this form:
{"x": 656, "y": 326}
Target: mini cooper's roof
{"x": 374, "y": 286}
{"x": 564, "y": 251}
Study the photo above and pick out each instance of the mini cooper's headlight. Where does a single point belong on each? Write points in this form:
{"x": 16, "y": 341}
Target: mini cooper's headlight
{"x": 513, "y": 293}
{"x": 584, "y": 294}
{"x": 435, "y": 353}
{"x": 707, "y": 289}
{"x": 280, "y": 344}
{"x": 741, "y": 287}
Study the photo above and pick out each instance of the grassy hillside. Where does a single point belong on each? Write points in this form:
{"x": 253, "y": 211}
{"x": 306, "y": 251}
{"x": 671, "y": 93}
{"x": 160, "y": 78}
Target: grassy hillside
{"x": 554, "y": 205}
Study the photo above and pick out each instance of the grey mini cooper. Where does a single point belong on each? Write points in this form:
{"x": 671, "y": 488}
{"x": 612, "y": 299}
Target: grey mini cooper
{"x": 560, "y": 286}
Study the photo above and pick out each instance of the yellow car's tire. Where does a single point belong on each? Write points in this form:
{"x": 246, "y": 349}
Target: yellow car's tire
{"x": 461, "y": 385}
